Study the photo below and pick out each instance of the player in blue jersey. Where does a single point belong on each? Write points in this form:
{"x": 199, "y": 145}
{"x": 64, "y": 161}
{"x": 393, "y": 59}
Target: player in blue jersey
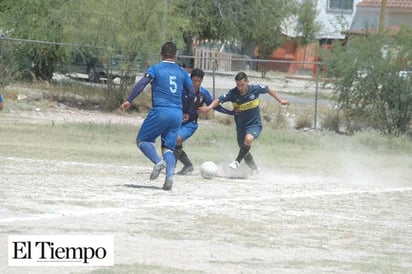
{"x": 171, "y": 84}
{"x": 1, "y": 102}
{"x": 245, "y": 100}
{"x": 189, "y": 127}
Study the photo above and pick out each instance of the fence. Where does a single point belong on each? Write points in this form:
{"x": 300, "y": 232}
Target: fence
{"x": 20, "y": 58}
{"x": 59, "y": 62}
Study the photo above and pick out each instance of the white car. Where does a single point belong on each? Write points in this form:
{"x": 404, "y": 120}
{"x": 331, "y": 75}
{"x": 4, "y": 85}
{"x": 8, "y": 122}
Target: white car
{"x": 405, "y": 74}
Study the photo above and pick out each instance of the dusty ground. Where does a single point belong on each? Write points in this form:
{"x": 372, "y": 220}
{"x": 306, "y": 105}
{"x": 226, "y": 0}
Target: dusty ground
{"x": 276, "y": 222}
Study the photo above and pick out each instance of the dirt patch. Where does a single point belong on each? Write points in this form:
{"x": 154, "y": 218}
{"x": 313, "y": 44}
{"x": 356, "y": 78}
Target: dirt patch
{"x": 276, "y": 222}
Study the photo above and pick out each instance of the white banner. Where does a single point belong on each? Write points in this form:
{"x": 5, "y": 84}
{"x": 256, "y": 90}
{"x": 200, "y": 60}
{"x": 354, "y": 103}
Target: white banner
{"x": 61, "y": 250}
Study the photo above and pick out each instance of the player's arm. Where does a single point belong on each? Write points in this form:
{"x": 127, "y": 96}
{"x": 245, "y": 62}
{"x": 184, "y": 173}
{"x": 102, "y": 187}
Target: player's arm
{"x": 188, "y": 98}
{"x": 137, "y": 89}
{"x": 214, "y": 104}
{"x": 220, "y": 108}
{"x": 275, "y": 95}
{"x": 224, "y": 110}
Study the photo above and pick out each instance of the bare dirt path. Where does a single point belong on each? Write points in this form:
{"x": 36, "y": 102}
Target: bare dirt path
{"x": 272, "y": 224}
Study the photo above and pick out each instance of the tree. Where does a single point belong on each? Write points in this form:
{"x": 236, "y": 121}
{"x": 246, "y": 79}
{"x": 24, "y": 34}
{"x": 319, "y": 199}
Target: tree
{"x": 36, "y": 20}
{"x": 137, "y": 25}
{"x": 255, "y": 22}
{"x": 369, "y": 86}
{"x": 307, "y": 27}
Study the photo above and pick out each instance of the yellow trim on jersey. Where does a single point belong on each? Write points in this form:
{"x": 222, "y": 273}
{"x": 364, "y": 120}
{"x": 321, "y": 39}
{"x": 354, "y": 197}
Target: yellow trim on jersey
{"x": 247, "y": 105}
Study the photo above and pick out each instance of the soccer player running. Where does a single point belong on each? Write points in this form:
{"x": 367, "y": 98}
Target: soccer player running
{"x": 189, "y": 127}
{"x": 245, "y": 100}
{"x": 1, "y": 102}
{"x": 170, "y": 84}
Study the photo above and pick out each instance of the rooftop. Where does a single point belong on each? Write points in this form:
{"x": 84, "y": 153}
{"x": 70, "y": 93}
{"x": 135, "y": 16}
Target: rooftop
{"x": 389, "y": 4}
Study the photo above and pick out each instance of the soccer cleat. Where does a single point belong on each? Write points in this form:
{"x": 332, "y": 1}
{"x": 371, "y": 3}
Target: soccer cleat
{"x": 156, "y": 169}
{"x": 185, "y": 170}
{"x": 234, "y": 165}
{"x": 255, "y": 172}
{"x": 168, "y": 184}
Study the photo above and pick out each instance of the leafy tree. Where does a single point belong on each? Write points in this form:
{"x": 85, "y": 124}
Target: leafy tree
{"x": 35, "y": 20}
{"x": 368, "y": 84}
{"x": 248, "y": 20}
{"x": 307, "y": 27}
{"x": 261, "y": 24}
{"x": 256, "y": 22}
{"x": 136, "y": 25}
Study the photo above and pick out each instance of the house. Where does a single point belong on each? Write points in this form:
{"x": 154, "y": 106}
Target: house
{"x": 334, "y": 18}
{"x": 337, "y": 18}
{"x": 367, "y": 18}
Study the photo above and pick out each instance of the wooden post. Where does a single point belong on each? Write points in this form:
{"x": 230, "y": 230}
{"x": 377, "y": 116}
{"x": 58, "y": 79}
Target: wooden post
{"x": 382, "y": 16}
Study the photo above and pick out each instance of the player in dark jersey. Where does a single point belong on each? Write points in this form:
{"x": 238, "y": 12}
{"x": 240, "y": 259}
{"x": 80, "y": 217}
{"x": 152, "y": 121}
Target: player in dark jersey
{"x": 245, "y": 100}
{"x": 170, "y": 84}
{"x": 189, "y": 127}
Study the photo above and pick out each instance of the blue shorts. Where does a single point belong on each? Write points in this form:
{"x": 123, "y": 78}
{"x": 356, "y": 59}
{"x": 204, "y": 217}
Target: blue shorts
{"x": 164, "y": 122}
{"x": 187, "y": 129}
{"x": 252, "y": 130}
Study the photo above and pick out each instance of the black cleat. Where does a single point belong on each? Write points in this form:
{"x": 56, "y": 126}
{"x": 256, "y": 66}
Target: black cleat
{"x": 185, "y": 170}
{"x": 168, "y": 184}
{"x": 156, "y": 169}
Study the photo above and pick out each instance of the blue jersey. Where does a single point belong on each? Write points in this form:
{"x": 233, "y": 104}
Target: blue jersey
{"x": 246, "y": 107}
{"x": 169, "y": 81}
{"x": 170, "y": 84}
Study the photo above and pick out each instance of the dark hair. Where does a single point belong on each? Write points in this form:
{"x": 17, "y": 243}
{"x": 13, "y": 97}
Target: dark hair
{"x": 168, "y": 50}
{"x": 197, "y": 72}
{"x": 241, "y": 76}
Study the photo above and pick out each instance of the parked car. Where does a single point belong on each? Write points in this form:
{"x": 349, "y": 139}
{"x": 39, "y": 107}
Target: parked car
{"x": 405, "y": 74}
{"x": 83, "y": 65}
{"x": 124, "y": 65}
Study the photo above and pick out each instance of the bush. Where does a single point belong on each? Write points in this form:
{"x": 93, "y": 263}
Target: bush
{"x": 303, "y": 121}
{"x": 368, "y": 85}
{"x": 331, "y": 121}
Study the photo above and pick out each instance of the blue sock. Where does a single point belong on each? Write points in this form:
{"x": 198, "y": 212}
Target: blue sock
{"x": 149, "y": 150}
{"x": 170, "y": 160}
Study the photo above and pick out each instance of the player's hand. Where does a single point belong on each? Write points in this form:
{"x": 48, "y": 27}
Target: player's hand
{"x": 125, "y": 105}
{"x": 284, "y": 102}
{"x": 203, "y": 109}
{"x": 185, "y": 117}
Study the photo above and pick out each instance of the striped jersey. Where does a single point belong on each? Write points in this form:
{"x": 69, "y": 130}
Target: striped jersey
{"x": 246, "y": 107}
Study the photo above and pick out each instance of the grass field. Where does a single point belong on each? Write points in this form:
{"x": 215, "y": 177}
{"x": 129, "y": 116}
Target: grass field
{"x": 322, "y": 202}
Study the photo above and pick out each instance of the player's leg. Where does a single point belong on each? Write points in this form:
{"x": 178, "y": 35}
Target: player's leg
{"x": 170, "y": 161}
{"x": 169, "y": 137}
{"x": 243, "y": 150}
{"x": 251, "y": 163}
{"x": 185, "y": 132}
{"x": 147, "y": 135}
{"x": 245, "y": 141}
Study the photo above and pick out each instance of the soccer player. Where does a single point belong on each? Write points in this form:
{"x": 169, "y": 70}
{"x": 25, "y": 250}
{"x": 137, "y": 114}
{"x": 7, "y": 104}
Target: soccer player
{"x": 189, "y": 127}
{"x": 245, "y": 100}
{"x": 170, "y": 84}
{"x": 1, "y": 102}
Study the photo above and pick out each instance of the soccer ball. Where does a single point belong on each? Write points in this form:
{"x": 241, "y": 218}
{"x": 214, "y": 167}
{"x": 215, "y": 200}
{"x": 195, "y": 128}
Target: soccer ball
{"x": 208, "y": 170}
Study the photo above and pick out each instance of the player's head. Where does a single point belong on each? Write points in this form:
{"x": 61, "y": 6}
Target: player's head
{"x": 197, "y": 77}
{"x": 241, "y": 76}
{"x": 168, "y": 51}
{"x": 197, "y": 72}
{"x": 242, "y": 82}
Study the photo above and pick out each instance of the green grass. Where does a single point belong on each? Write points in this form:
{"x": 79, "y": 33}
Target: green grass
{"x": 282, "y": 148}
{"x": 68, "y": 141}
{"x": 279, "y": 146}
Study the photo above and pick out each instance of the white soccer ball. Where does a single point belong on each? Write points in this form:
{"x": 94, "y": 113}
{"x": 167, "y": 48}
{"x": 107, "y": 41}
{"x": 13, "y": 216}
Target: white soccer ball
{"x": 208, "y": 170}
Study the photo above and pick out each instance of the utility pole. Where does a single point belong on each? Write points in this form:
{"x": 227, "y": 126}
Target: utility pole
{"x": 382, "y": 17}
